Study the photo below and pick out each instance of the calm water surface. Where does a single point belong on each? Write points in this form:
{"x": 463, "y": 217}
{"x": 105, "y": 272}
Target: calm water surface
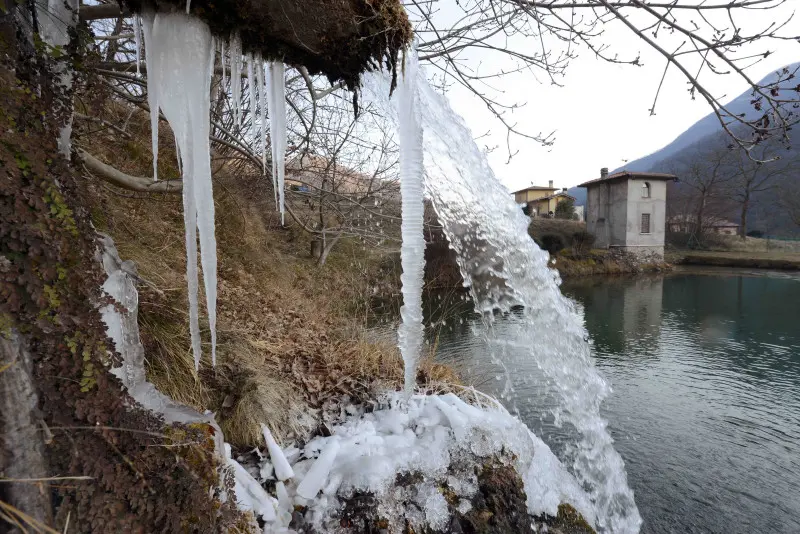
{"x": 706, "y": 404}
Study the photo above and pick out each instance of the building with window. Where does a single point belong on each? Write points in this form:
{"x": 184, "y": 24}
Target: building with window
{"x": 627, "y": 210}
{"x": 540, "y": 201}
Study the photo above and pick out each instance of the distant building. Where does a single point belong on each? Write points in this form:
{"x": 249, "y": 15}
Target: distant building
{"x": 540, "y": 201}
{"x": 686, "y": 224}
{"x": 627, "y": 210}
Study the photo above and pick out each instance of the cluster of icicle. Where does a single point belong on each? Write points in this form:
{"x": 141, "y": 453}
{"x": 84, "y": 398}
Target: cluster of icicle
{"x": 180, "y": 56}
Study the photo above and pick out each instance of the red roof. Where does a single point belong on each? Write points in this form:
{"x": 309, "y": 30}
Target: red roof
{"x": 627, "y": 175}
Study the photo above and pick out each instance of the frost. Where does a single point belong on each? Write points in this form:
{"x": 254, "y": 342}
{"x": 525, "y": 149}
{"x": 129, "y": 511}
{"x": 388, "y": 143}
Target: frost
{"x": 276, "y": 94}
{"x": 179, "y": 50}
{"x": 283, "y": 471}
{"x": 412, "y": 250}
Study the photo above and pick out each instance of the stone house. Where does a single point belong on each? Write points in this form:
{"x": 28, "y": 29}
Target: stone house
{"x": 540, "y": 201}
{"x": 627, "y": 210}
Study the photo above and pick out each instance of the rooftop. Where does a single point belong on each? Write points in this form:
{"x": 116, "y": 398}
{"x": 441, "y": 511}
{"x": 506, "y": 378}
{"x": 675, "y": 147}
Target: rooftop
{"x": 628, "y": 175}
{"x": 536, "y": 188}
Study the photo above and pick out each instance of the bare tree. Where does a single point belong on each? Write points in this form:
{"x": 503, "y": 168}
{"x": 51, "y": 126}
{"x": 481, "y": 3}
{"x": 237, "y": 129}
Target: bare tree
{"x": 790, "y": 200}
{"x": 751, "y": 177}
{"x": 344, "y": 184}
{"x": 699, "y": 38}
{"x": 700, "y": 199}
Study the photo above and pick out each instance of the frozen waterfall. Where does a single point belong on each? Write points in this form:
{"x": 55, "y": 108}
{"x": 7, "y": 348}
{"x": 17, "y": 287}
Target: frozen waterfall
{"x": 505, "y": 269}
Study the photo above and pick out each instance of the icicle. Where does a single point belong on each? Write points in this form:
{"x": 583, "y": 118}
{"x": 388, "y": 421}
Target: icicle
{"x": 271, "y": 110}
{"x": 277, "y": 128}
{"x": 188, "y": 6}
{"x": 153, "y": 82}
{"x": 236, "y": 78}
{"x": 178, "y": 55}
{"x": 412, "y": 250}
{"x": 262, "y": 102}
{"x": 211, "y": 63}
{"x": 222, "y": 62}
{"x": 137, "y": 37}
{"x": 178, "y": 154}
{"x": 283, "y": 471}
{"x": 251, "y": 90}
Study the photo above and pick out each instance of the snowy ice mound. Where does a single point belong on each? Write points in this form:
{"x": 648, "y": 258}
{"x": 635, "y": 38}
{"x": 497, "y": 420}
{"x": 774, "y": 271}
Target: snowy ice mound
{"x": 407, "y": 456}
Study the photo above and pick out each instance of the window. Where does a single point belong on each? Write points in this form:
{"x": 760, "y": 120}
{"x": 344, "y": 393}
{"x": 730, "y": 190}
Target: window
{"x": 645, "y": 223}
{"x": 646, "y": 190}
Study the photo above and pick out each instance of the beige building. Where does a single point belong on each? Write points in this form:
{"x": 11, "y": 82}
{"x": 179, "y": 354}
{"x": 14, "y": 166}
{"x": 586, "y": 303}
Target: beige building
{"x": 541, "y": 201}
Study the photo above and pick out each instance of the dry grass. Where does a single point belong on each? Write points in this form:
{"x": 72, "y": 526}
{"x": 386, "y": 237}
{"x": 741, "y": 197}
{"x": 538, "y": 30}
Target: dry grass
{"x": 288, "y": 331}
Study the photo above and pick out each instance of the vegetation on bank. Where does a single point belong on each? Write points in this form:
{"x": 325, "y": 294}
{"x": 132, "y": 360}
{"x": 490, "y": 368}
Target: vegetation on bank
{"x": 732, "y": 251}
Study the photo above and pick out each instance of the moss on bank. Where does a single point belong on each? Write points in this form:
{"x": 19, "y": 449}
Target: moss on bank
{"x": 598, "y": 262}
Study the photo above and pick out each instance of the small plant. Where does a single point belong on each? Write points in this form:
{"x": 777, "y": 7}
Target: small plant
{"x": 552, "y": 243}
{"x": 582, "y": 242}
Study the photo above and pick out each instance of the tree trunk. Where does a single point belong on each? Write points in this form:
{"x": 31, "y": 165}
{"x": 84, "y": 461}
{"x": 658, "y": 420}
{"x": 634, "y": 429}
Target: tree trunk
{"x": 329, "y": 244}
{"x": 21, "y": 433}
{"x": 745, "y": 207}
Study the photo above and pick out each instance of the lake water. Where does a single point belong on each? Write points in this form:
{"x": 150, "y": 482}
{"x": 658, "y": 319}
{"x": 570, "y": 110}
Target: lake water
{"x": 706, "y": 404}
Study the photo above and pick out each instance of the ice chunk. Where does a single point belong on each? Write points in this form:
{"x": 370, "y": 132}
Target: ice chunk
{"x": 249, "y": 493}
{"x": 283, "y": 471}
{"x": 318, "y": 474}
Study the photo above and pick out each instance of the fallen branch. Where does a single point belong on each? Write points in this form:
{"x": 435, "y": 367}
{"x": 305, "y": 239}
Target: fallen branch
{"x": 126, "y": 181}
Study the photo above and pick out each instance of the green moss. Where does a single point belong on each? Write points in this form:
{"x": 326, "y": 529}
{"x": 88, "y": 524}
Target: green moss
{"x": 570, "y": 521}
{"x": 59, "y": 210}
{"x": 6, "y": 324}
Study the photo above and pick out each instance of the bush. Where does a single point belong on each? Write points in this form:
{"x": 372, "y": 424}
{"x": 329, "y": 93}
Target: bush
{"x": 552, "y": 243}
{"x": 755, "y": 233}
{"x": 582, "y": 242}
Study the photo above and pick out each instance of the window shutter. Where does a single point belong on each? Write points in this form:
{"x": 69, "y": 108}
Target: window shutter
{"x": 645, "y": 223}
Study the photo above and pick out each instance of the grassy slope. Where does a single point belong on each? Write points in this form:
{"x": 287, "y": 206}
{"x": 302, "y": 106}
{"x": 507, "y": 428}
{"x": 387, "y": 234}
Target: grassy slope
{"x": 289, "y": 332}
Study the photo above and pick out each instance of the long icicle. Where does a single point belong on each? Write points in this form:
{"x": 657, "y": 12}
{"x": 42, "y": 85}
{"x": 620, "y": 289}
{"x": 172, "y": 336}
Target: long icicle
{"x": 277, "y": 129}
{"x": 179, "y": 54}
{"x": 262, "y": 118}
{"x": 137, "y": 37}
{"x": 153, "y": 62}
{"x": 251, "y": 93}
{"x": 236, "y": 79}
{"x": 412, "y": 250}
{"x": 271, "y": 111}
{"x": 224, "y": 72}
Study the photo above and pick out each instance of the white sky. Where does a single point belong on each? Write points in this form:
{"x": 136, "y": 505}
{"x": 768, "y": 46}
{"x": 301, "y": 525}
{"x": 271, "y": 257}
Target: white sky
{"x": 601, "y": 114}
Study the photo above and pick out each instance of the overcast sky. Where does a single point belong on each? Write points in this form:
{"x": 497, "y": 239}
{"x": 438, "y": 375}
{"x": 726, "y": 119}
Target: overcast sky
{"x": 601, "y": 114}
